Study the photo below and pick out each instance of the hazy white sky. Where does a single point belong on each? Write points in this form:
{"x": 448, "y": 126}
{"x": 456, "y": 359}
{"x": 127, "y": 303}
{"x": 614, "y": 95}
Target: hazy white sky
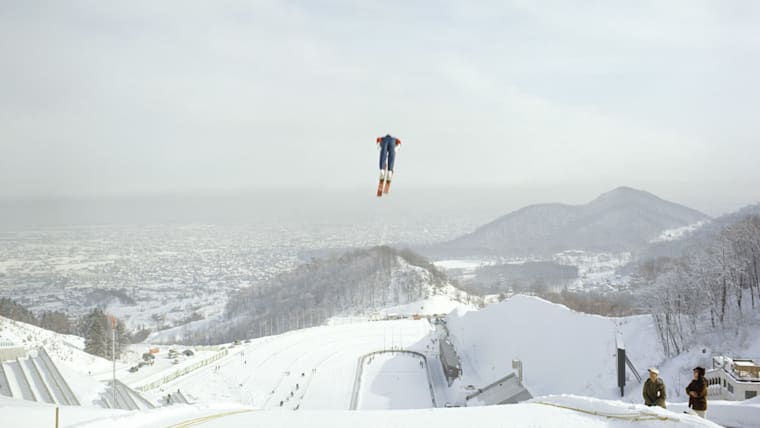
{"x": 106, "y": 97}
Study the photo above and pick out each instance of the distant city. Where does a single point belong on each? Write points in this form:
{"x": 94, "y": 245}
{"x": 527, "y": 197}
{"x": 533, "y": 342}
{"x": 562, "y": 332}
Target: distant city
{"x": 158, "y": 275}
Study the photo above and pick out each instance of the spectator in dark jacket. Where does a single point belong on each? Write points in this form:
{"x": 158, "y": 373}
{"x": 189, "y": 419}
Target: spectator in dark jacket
{"x": 654, "y": 389}
{"x": 697, "y": 391}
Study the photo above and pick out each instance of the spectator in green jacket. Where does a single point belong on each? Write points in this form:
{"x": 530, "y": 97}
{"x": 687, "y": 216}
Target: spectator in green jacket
{"x": 654, "y": 389}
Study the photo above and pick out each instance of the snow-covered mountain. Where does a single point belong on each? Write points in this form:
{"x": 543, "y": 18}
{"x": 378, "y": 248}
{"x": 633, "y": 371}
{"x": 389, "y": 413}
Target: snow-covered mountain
{"x": 620, "y": 220}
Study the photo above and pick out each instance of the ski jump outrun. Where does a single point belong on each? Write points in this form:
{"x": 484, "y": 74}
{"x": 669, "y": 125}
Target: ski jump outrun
{"x": 387, "y": 146}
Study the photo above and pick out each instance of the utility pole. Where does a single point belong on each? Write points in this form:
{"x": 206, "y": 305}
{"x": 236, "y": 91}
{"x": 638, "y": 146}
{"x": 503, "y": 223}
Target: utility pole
{"x": 113, "y": 357}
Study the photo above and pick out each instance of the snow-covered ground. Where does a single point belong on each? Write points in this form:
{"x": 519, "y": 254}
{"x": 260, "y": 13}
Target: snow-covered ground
{"x": 394, "y": 380}
{"x": 442, "y": 304}
{"x": 562, "y": 351}
{"x": 546, "y": 412}
{"x": 314, "y": 371}
{"x": 309, "y": 369}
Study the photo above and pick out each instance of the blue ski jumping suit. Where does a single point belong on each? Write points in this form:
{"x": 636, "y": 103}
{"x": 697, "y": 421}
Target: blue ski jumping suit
{"x": 387, "y": 151}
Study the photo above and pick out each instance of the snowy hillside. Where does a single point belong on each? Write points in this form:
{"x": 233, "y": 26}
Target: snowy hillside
{"x": 315, "y": 371}
{"x": 562, "y": 351}
{"x": 79, "y": 368}
{"x": 358, "y": 282}
{"x": 68, "y": 349}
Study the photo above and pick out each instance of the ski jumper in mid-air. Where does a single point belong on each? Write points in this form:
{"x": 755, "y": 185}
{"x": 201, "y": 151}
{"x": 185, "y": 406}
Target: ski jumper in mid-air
{"x": 387, "y": 146}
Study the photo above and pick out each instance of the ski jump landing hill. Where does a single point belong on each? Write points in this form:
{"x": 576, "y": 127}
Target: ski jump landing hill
{"x": 313, "y": 368}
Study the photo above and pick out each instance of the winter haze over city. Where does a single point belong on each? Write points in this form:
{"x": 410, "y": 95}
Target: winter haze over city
{"x": 282, "y": 213}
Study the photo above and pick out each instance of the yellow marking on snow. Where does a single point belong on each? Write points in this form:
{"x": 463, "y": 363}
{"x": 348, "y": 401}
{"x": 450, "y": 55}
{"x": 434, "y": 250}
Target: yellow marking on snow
{"x": 204, "y": 419}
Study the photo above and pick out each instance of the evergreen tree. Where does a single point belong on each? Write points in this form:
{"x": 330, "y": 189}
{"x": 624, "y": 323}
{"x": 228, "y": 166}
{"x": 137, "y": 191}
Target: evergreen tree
{"x": 96, "y": 338}
{"x": 56, "y": 321}
{"x": 12, "y": 310}
{"x": 96, "y": 329}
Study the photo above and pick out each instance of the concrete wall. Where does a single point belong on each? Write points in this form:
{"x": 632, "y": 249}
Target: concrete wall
{"x": 11, "y": 353}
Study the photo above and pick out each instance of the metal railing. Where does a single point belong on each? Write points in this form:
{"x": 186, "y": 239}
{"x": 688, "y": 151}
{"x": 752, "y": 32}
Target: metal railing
{"x": 181, "y": 372}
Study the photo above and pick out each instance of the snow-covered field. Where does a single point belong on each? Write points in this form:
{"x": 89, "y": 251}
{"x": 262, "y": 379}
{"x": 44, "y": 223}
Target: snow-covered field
{"x": 596, "y": 271}
{"x": 679, "y": 232}
{"x": 464, "y": 265}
